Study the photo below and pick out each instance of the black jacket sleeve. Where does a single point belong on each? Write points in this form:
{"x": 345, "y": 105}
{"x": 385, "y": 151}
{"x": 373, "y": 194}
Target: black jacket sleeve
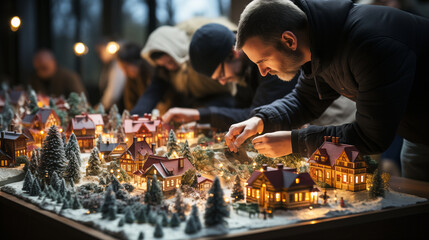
{"x": 151, "y": 96}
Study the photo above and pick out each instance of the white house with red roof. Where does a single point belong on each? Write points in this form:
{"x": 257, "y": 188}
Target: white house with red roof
{"x": 280, "y": 188}
{"x": 146, "y": 127}
{"x": 338, "y": 165}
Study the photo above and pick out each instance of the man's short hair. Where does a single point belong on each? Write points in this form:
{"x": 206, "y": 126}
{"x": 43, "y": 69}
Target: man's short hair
{"x": 130, "y": 53}
{"x": 268, "y": 19}
{"x": 155, "y": 55}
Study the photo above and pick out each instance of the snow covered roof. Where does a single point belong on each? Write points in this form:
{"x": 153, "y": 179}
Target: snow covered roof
{"x": 332, "y": 151}
{"x": 107, "y": 147}
{"x": 42, "y": 115}
{"x": 141, "y": 124}
{"x": 139, "y": 147}
{"x": 203, "y": 179}
{"x": 12, "y": 135}
{"x": 96, "y": 118}
{"x": 167, "y": 167}
{"x": 82, "y": 121}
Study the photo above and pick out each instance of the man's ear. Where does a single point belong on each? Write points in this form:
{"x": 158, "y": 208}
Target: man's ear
{"x": 289, "y": 40}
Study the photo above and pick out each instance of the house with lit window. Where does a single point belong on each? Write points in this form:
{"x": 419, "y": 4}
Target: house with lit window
{"x": 280, "y": 188}
{"x": 151, "y": 129}
{"x": 111, "y": 151}
{"x": 204, "y": 184}
{"x": 338, "y": 165}
{"x": 38, "y": 124}
{"x": 168, "y": 171}
{"x": 84, "y": 128}
{"x": 133, "y": 158}
{"x": 12, "y": 145}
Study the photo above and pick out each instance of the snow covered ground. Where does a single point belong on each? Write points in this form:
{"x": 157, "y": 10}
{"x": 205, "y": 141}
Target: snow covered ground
{"x": 355, "y": 202}
{"x": 8, "y": 175}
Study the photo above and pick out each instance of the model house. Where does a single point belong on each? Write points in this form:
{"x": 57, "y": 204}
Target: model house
{"x": 204, "y": 184}
{"x": 338, "y": 165}
{"x": 280, "y": 188}
{"x": 12, "y": 145}
{"x": 133, "y": 158}
{"x": 146, "y": 127}
{"x": 39, "y": 123}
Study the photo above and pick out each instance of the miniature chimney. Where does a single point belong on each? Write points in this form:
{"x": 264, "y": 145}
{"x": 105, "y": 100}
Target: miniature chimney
{"x": 180, "y": 162}
{"x": 280, "y": 166}
{"x": 134, "y": 139}
{"x": 153, "y": 148}
{"x": 264, "y": 167}
{"x": 149, "y": 116}
{"x": 107, "y": 142}
{"x": 135, "y": 117}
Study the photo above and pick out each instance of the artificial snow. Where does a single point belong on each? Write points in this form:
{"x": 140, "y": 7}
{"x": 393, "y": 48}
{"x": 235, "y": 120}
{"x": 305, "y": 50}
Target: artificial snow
{"x": 356, "y": 202}
{"x": 8, "y": 175}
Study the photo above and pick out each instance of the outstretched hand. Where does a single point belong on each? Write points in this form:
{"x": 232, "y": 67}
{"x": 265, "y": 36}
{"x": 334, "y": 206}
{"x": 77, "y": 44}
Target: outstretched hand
{"x": 239, "y": 132}
{"x": 274, "y": 144}
{"x": 181, "y": 115}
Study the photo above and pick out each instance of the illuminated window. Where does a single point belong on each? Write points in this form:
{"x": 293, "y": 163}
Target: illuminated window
{"x": 168, "y": 183}
{"x": 271, "y": 195}
{"x": 307, "y": 196}
{"x": 316, "y": 157}
{"x": 257, "y": 193}
{"x": 345, "y": 178}
{"x": 248, "y": 191}
{"x": 351, "y": 179}
{"x": 129, "y": 168}
{"x": 283, "y": 197}
{"x": 327, "y": 175}
{"x": 357, "y": 179}
{"x": 296, "y": 197}
{"x": 300, "y": 197}
{"x": 83, "y": 131}
{"x": 277, "y": 197}
{"x": 361, "y": 178}
{"x": 297, "y": 180}
{"x": 154, "y": 171}
{"x": 253, "y": 192}
{"x": 172, "y": 182}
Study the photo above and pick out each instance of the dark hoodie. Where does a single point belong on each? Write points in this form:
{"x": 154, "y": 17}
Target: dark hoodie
{"x": 377, "y": 56}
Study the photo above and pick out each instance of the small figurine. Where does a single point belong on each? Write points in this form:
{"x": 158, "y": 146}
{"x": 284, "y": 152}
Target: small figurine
{"x": 342, "y": 204}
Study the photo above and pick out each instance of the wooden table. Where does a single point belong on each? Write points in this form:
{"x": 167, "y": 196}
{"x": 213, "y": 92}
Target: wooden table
{"x": 22, "y": 220}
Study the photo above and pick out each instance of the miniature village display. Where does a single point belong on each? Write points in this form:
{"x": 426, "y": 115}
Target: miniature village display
{"x": 135, "y": 177}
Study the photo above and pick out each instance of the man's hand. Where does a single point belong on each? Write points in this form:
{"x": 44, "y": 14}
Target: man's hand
{"x": 239, "y": 132}
{"x": 181, "y": 115}
{"x": 274, "y": 144}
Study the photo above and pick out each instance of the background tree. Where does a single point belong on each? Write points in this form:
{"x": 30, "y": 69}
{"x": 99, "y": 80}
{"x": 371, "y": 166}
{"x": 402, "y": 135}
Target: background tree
{"x": 84, "y": 106}
{"x": 195, "y": 213}
{"x": 7, "y": 114}
{"x": 186, "y": 152}
{"x": 216, "y": 209}
{"x": 179, "y": 205}
{"x": 108, "y": 208}
{"x": 94, "y": 163}
{"x": 158, "y": 233}
{"x": 155, "y": 192}
{"x": 53, "y": 157}
{"x": 115, "y": 168}
{"x": 191, "y": 227}
{"x": 237, "y": 190}
{"x": 129, "y": 215}
{"x": 73, "y": 146}
{"x": 172, "y": 144}
{"x": 189, "y": 178}
{"x": 72, "y": 172}
{"x": 35, "y": 188}
{"x": 28, "y": 182}
{"x": 100, "y": 109}
{"x": 74, "y": 101}
{"x": 32, "y": 105}
{"x": 378, "y": 187}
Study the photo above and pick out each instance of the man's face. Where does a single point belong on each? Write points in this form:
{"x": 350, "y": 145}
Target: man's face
{"x": 285, "y": 63}
{"x": 130, "y": 70}
{"x": 168, "y": 62}
{"x": 225, "y": 73}
{"x": 44, "y": 65}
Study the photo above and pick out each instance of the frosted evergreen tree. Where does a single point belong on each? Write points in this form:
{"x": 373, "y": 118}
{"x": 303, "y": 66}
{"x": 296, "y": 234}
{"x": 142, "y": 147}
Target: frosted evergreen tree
{"x": 237, "y": 190}
{"x": 152, "y": 217}
{"x": 179, "y": 205}
{"x": 216, "y": 209}
{"x": 84, "y": 106}
{"x": 189, "y": 178}
{"x": 116, "y": 185}
{"x": 55, "y": 181}
{"x": 28, "y": 182}
{"x": 35, "y": 189}
{"x": 155, "y": 192}
{"x": 72, "y": 173}
{"x": 164, "y": 219}
{"x": 68, "y": 196}
{"x": 191, "y": 227}
{"x": 172, "y": 145}
{"x": 141, "y": 236}
{"x": 34, "y": 162}
{"x": 378, "y": 186}
{"x": 195, "y": 213}
{"x": 73, "y": 146}
{"x": 62, "y": 187}
{"x": 101, "y": 181}
{"x": 108, "y": 208}
{"x": 53, "y": 157}
{"x": 94, "y": 163}
{"x": 121, "y": 222}
{"x": 100, "y": 109}
{"x": 125, "y": 115}
{"x": 66, "y": 204}
{"x": 74, "y": 100}
{"x": 186, "y": 152}
{"x": 114, "y": 118}
{"x": 32, "y": 105}
{"x": 59, "y": 199}
{"x": 76, "y": 203}
{"x": 158, "y": 233}
{"x": 7, "y": 114}
{"x": 129, "y": 215}
{"x": 141, "y": 216}
{"x": 175, "y": 220}
{"x": 99, "y": 141}
{"x": 147, "y": 196}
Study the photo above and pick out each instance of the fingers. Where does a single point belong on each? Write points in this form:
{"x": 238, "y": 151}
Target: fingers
{"x": 243, "y": 136}
{"x": 167, "y": 117}
{"x": 230, "y": 137}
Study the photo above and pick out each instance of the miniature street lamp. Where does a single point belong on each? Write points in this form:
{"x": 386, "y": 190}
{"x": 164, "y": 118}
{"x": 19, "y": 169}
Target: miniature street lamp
{"x": 111, "y": 170}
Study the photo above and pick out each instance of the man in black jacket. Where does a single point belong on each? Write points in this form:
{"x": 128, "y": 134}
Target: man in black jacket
{"x": 376, "y": 56}
{"x": 211, "y": 53}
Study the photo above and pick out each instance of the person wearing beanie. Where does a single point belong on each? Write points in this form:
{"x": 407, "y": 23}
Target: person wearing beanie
{"x": 212, "y": 53}
{"x": 175, "y": 81}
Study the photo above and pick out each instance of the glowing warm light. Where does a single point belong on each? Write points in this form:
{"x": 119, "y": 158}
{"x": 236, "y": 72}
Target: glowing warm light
{"x": 41, "y": 132}
{"x": 80, "y": 49}
{"x": 177, "y": 185}
{"x": 86, "y": 165}
{"x": 126, "y": 139}
{"x": 263, "y": 185}
{"x": 174, "y": 155}
{"x": 117, "y": 176}
{"x": 112, "y": 47}
{"x": 15, "y": 22}
{"x": 211, "y": 195}
{"x": 261, "y": 169}
{"x": 221, "y": 165}
{"x": 297, "y": 180}
{"x": 311, "y": 207}
{"x": 61, "y": 130}
{"x": 40, "y": 104}
{"x": 313, "y": 222}
{"x": 226, "y": 199}
{"x": 245, "y": 184}
{"x": 118, "y": 170}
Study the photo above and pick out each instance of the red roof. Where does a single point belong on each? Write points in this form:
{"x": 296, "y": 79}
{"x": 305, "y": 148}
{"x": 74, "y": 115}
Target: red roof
{"x": 170, "y": 167}
{"x": 140, "y": 147}
{"x": 82, "y": 121}
{"x": 332, "y": 151}
{"x": 42, "y": 115}
{"x": 134, "y": 126}
{"x": 282, "y": 178}
{"x": 203, "y": 179}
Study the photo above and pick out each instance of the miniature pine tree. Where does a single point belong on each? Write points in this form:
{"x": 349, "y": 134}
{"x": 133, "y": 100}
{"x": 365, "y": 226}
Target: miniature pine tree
{"x": 116, "y": 185}
{"x": 121, "y": 222}
{"x": 155, "y": 192}
{"x": 62, "y": 187}
{"x": 34, "y": 162}
{"x": 164, "y": 219}
{"x": 84, "y": 106}
{"x": 158, "y": 231}
{"x": 378, "y": 186}
{"x": 100, "y": 109}
{"x": 76, "y": 203}
{"x": 55, "y": 181}
{"x": 179, "y": 205}
{"x": 68, "y": 196}
{"x": 53, "y": 157}
{"x": 189, "y": 178}
{"x": 99, "y": 141}
{"x": 109, "y": 204}
{"x": 35, "y": 189}
{"x": 73, "y": 146}
{"x": 141, "y": 216}
{"x": 147, "y": 196}
{"x": 195, "y": 214}
{"x": 172, "y": 145}
{"x": 66, "y": 204}
{"x": 216, "y": 209}
{"x": 28, "y": 182}
{"x": 186, "y": 152}
{"x": 73, "y": 100}
{"x": 7, "y": 114}
{"x": 114, "y": 118}
{"x": 152, "y": 217}
{"x": 129, "y": 215}
{"x": 125, "y": 115}
{"x": 237, "y": 191}
{"x": 94, "y": 163}
{"x": 32, "y": 105}
{"x": 72, "y": 172}
{"x": 175, "y": 220}
{"x": 191, "y": 227}
{"x": 101, "y": 181}
{"x": 141, "y": 236}
{"x": 59, "y": 199}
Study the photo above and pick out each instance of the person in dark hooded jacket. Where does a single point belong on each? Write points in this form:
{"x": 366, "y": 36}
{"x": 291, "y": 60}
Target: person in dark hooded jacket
{"x": 374, "y": 55}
